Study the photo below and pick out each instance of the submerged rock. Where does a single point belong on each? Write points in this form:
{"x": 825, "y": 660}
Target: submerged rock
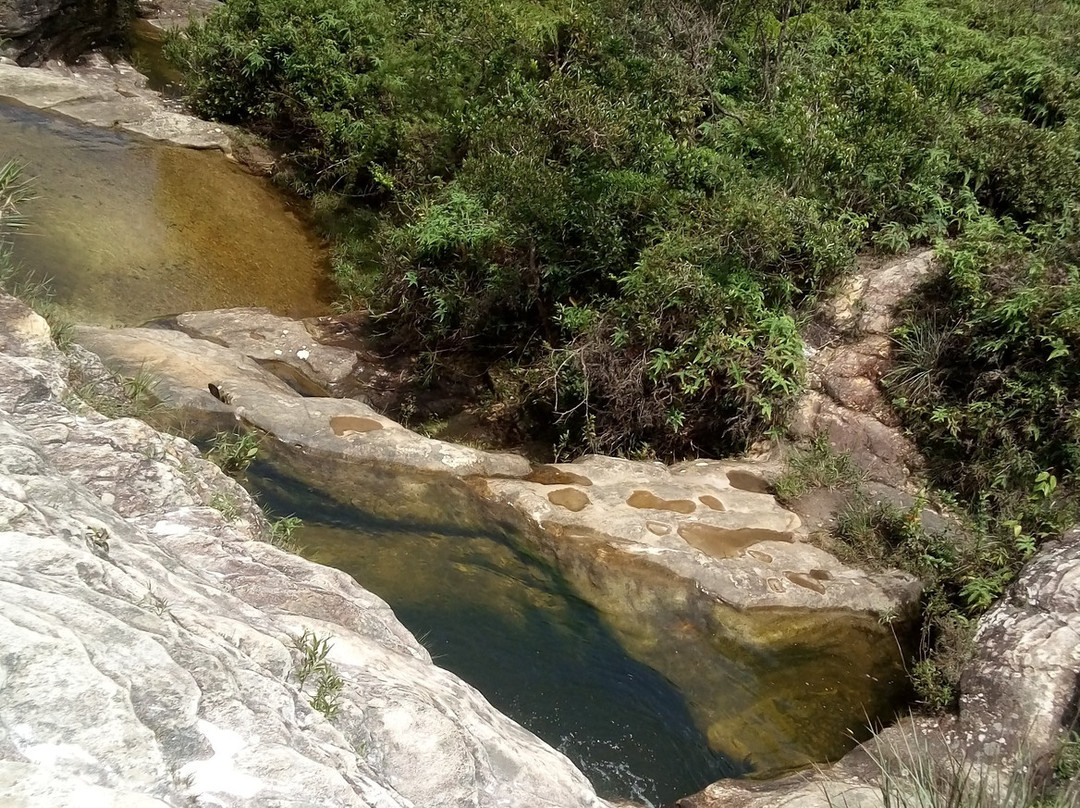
{"x": 149, "y": 638}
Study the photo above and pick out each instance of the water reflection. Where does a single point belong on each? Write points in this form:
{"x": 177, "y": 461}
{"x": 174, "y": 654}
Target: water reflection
{"x": 507, "y": 625}
{"x": 129, "y": 230}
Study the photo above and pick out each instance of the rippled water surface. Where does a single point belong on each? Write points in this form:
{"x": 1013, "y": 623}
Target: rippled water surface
{"x": 507, "y": 625}
{"x": 129, "y": 230}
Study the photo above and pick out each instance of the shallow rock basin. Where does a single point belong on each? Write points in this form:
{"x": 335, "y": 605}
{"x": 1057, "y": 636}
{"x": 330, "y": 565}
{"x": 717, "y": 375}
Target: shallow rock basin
{"x": 507, "y": 624}
{"x": 130, "y": 230}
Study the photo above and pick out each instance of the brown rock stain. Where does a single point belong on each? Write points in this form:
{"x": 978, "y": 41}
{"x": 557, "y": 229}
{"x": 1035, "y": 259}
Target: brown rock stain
{"x": 569, "y": 498}
{"x": 805, "y": 581}
{"x": 722, "y": 542}
{"x": 549, "y": 475}
{"x": 747, "y": 481}
{"x": 712, "y": 502}
{"x": 760, "y": 556}
{"x": 649, "y": 500}
{"x": 342, "y": 424}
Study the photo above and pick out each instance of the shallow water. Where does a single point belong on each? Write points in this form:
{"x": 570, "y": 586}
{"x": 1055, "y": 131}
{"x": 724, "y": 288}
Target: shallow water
{"x": 130, "y": 230}
{"x": 507, "y": 624}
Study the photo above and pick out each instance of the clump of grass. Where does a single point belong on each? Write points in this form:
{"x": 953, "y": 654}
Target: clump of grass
{"x": 915, "y": 772}
{"x": 282, "y": 530}
{"x": 1067, "y": 764}
{"x": 233, "y": 452}
{"x": 15, "y": 190}
{"x": 118, "y": 396}
{"x": 315, "y": 667}
{"x": 227, "y": 505}
{"x": 817, "y": 466}
{"x": 36, "y": 292}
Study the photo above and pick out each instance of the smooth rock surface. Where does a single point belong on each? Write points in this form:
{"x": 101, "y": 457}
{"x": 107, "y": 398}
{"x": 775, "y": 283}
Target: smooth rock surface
{"x": 332, "y": 433}
{"x": 110, "y": 98}
{"x": 148, "y": 656}
{"x": 284, "y": 346}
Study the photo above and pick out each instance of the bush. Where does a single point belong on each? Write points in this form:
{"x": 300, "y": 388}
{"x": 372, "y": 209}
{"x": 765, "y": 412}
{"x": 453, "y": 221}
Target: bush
{"x": 633, "y": 202}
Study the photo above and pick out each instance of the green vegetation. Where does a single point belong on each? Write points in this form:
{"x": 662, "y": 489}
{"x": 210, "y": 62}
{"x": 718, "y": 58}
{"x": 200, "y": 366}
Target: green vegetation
{"x": 816, "y": 466}
{"x": 627, "y": 204}
{"x": 282, "y": 530}
{"x": 115, "y": 395}
{"x": 955, "y": 574}
{"x": 233, "y": 452}
{"x": 316, "y": 667}
{"x": 917, "y": 772}
{"x": 15, "y": 190}
{"x": 1067, "y": 765}
{"x": 227, "y": 504}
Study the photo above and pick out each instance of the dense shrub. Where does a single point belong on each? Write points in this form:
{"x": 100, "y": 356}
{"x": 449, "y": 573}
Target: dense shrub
{"x": 633, "y": 201}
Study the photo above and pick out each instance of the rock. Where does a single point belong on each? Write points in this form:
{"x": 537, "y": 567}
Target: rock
{"x": 148, "y": 657}
{"x": 167, "y": 14}
{"x": 33, "y": 29}
{"x": 111, "y": 98}
{"x": 1019, "y": 699}
{"x": 1022, "y": 690}
{"x": 696, "y": 569}
{"x": 282, "y": 345}
{"x": 850, "y": 350}
{"x": 334, "y": 435}
{"x": 776, "y": 645}
{"x": 882, "y": 452}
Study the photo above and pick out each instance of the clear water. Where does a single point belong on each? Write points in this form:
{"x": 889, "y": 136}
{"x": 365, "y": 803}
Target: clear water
{"x": 130, "y": 230}
{"x": 507, "y": 624}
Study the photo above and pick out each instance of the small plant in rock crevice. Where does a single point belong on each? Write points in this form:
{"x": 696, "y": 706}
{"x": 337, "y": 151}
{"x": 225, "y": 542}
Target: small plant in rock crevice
{"x": 155, "y": 603}
{"x": 228, "y": 505}
{"x": 314, "y": 667}
{"x": 282, "y": 530}
{"x": 233, "y": 452}
{"x": 817, "y": 466}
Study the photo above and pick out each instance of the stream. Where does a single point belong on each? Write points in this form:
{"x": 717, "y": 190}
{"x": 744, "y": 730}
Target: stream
{"x": 129, "y": 231}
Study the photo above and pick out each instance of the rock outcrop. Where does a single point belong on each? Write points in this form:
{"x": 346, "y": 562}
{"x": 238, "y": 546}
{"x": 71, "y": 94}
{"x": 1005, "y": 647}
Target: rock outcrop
{"x": 781, "y": 650}
{"x": 1020, "y": 697}
{"x": 850, "y": 350}
{"x": 109, "y": 95}
{"x": 148, "y": 640}
{"x": 33, "y": 29}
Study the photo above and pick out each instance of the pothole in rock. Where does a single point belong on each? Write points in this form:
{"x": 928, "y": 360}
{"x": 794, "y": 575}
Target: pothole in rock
{"x": 344, "y": 424}
{"x": 508, "y": 625}
{"x": 721, "y": 542}
{"x": 569, "y": 498}
{"x": 647, "y": 500}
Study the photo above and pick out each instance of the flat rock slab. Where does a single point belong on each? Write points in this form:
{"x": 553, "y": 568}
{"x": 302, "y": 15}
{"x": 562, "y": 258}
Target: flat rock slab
{"x": 108, "y": 101}
{"x": 148, "y": 643}
{"x": 284, "y": 346}
{"x": 739, "y": 546}
{"x": 208, "y": 383}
